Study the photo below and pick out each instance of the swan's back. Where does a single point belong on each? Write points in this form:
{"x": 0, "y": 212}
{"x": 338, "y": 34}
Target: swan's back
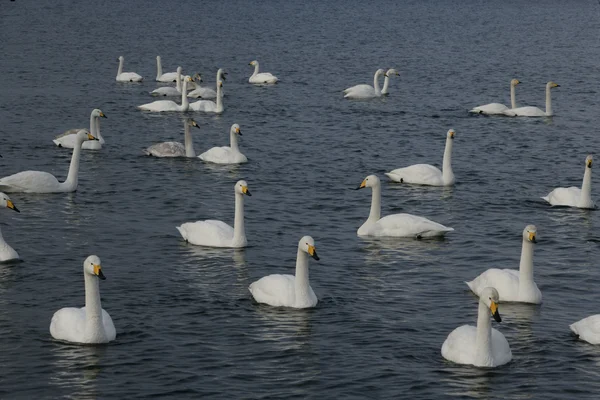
{"x": 459, "y": 347}
{"x": 263, "y": 77}
{"x": 223, "y": 155}
{"x": 564, "y": 196}
{"x": 161, "y": 105}
{"x": 207, "y": 233}
{"x": 204, "y": 105}
{"x": 30, "y": 181}
{"x": 528, "y": 111}
{"x": 588, "y": 329}
{"x": 360, "y": 91}
{"x": 205, "y": 93}
{"x": 68, "y": 324}
{"x": 505, "y": 281}
{"x": 166, "y": 149}
{"x": 129, "y": 77}
{"x": 408, "y": 225}
{"x": 490, "y": 109}
{"x": 276, "y": 290}
{"x": 422, "y": 174}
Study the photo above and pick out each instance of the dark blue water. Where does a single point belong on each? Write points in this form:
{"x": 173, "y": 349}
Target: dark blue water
{"x": 186, "y": 324}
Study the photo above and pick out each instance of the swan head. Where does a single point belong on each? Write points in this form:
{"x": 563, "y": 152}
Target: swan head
{"x": 221, "y": 74}
{"x": 530, "y": 233}
{"x": 588, "y": 161}
{"x": 197, "y": 77}
{"x": 369, "y": 181}
{"x": 379, "y": 72}
{"x": 391, "y": 72}
{"x": 84, "y": 135}
{"x": 121, "y": 58}
{"x": 92, "y": 266}
{"x": 192, "y": 122}
{"x": 514, "y": 82}
{"x": 220, "y": 84}
{"x": 307, "y": 245}
{"x": 552, "y": 85}
{"x": 489, "y": 297}
{"x": 179, "y": 69}
{"x": 5, "y": 201}
{"x": 450, "y": 134}
{"x": 253, "y": 63}
{"x": 98, "y": 113}
{"x": 241, "y": 187}
{"x": 235, "y": 128}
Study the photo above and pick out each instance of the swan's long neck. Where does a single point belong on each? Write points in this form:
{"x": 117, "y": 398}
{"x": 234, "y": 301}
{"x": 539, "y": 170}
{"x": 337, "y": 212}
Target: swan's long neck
{"x": 219, "y": 99}
{"x": 376, "y": 83}
{"x": 386, "y": 84}
{"x": 375, "y": 213}
{"x": 526, "y": 267}
{"x": 239, "y": 233}
{"x": 73, "y": 177}
{"x": 548, "y": 102}
{"x": 447, "y": 173}
{"x": 255, "y": 69}
{"x": 95, "y": 126}
{"x": 233, "y": 140}
{"x": 184, "y": 100}
{"x": 93, "y": 307}
{"x": 301, "y": 282}
{"x": 483, "y": 340}
{"x": 178, "y": 82}
{"x": 120, "y": 67}
{"x": 513, "y": 101}
{"x": 158, "y": 68}
{"x": 189, "y": 145}
{"x": 586, "y": 189}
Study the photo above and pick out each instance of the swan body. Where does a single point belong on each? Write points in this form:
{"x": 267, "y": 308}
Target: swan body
{"x": 126, "y": 76}
{"x": 425, "y": 174}
{"x": 289, "y": 290}
{"x": 396, "y": 225}
{"x": 43, "y": 182}
{"x": 168, "y": 105}
{"x": 261, "y": 77}
{"x": 226, "y": 154}
{"x": 513, "y": 285}
{"x": 209, "y": 105}
{"x": 207, "y": 93}
{"x": 534, "y": 111}
{"x": 89, "y": 324}
{"x": 170, "y": 90}
{"x": 214, "y": 233}
{"x": 68, "y": 139}
{"x": 497, "y": 108}
{"x": 166, "y": 77}
{"x": 365, "y": 91}
{"x": 386, "y": 82}
{"x": 574, "y": 196}
{"x": 175, "y": 149}
{"x": 7, "y": 253}
{"x": 481, "y": 346}
{"x": 588, "y": 329}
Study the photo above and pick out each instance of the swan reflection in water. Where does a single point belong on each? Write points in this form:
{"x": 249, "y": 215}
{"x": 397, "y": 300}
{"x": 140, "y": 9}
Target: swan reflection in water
{"x": 77, "y": 368}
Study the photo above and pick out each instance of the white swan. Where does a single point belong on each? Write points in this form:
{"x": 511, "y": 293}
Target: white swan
{"x": 214, "y": 233}
{"x": 588, "y": 329}
{"x": 168, "y": 105}
{"x": 209, "y": 105}
{"x": 365, "y": 91}
{"x": 166, "y": 77}
{"x": 534, "y": 111}
{"x": 574, "y": 196}
{"x": 482, "y": 346}
{"x": 262, "y": 77}
{"x": 207, "y": 93}
{"x": 6, "y": 252}
{"x": 126, "y": 76}
{"x": 175, "y": 149}
{"x": 170, "y": 90}
{"x": 226, "y": 154}
{"x": 497, "y": 108}
{"x": 68, "y": 139}
{"x": 386, "y": 82}
{"x": 289, "y": 290}
{"x": 395, "y": 225}
{"x": 425, "y": 174}
{"x": 43, "y": 182}
{"x": 513, "y": 285}
{"x": 89, "y": 324}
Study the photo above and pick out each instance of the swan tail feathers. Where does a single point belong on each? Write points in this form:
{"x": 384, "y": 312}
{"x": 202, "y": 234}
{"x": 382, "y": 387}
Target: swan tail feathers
{"x": 182, "y": 232}
{"x": 393, "y": 177}
{"x": 56, "y": 142}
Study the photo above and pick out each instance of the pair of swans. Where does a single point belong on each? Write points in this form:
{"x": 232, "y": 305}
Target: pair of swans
{"x": 7, "y": 253}
{"x": 395, "y": 225}
{"x": 367, "y": 92}
{"x": 574, "y": 196}
{"x": 126, "y": 76}
{"x": 425, "y": 174}
{"x": 200, "y": 105}
{"x": 68, "y": 139}
{"x": 207, "y": 93}
{"x": 43, "y": 182}
{"x": 90, "y": 324}
{"x": 166, "y": 77}
{"x": 261, "y": 77}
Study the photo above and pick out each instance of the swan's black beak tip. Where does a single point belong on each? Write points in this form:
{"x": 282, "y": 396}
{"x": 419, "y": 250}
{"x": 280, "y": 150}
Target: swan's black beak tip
{"x": 496, "y": 316}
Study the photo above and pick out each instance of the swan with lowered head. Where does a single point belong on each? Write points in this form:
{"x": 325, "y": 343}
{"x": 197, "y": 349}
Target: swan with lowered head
{"x": 261, "y": 77}
{"x": 207, "y": 93}
{"x": 226, "y": 154}
{"x": 7, "y": 253}
{"x": 497, "y": 108}
{"x": 574, "y": 196}
{"x": 209, "y": 105}
{"x": 68, "y": 139}
{"x": 166, "y": 77}
{"x": 289, "y": 290}
{"x": 168, "y": 105}
{"x": 481, "y": 346}
{"x": 386, "y": 82}
{"x": 43, "y": 182}
{"x": 126, "y": 76}
{"x": 170, "y": 90}
{"x": 214, "y": 233}
{"x": 395, "y": 225}
{"x": 175, "y": 149}
{"x": 513, "y": 285}
{"x": 425, "y": 174}
{"x": 89, "y": 324}
{"x": 364, "y": 91}
{"x": 534, "y": 111}
{"x": 588, "y": 329}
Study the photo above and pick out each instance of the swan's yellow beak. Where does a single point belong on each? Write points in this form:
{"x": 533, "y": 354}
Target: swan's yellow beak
{"x": 589, "y": 164}
{"x": 313, "y": 252}
{"x": 495, "y": 313}
{"x": 102, "y": 115}
{"x": 98, "y": 271}
{"x": 9, "y": 204}
{"x": 452, "y": 133}
{"x": 363, "y": 185}
{"x": 555, "y": 85}
{"x": 238, "y": 131}
{"x": 532, "y": 237}
{"x": 91, "y": 137}
{"x": 246, "y": 191}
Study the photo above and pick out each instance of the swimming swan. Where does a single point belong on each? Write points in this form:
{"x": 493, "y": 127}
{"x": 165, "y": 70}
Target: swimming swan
{"x": 534, "y": 111}
{"x": 207, "y": 93}
{"x": 166, "y": 77}
{"x": 497, "y": 108}
{"x": 425, "y": 174}
{"x": 209, "y": 105}
{"x": 68, "y": 138}
{"x": 289, "y": 290}
{"x": 482, "y": 346}
{"x": 43, "y": 182}
{"x": 126, "y": 76}
{"x": 513, "y": 285}
{"x": 175, "y": 149}
{"x": 262, "y": 77}
{"x": 395, "y": 225}
{"x": 214, "y": 233}
{"x": 574, "y": 196}
{"x": 170, "y": 90}
{"x": 365, "y": 91}
{"x": 89, "y": 324}
{"x": 386, "y": 82}
{"x": 6, "y": 252}
{"x": 226, "y": 154}
{"x": 168, "y": 105}
{"x": 588, "y": 329}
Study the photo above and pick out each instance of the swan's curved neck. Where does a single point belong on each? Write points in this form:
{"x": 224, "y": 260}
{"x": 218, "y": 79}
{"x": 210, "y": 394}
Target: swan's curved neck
{"x": 526, "y": 266}
{"x": 447, "y": 173}
{"x": 255, "y": 69}
{"x": 219, "y": 98}
{"x": 95, "y": 126}
{"x": 239, "y": 233}
{"x": 70, "y": 184}
{"x": 233, "y": 141}
{"x": 301, "y": 282}
{"x": 184, "y": 100}
{"x": 178, "y": 82}
{"x": 376, "y": 83}
{"x": 120, "y": 71}
{"x": 586, "y": 189}
{"x": 513, "y": 101}
{"x": 158, "y": 68}
{"x": 93, "y": 306}
{"x": 483, "y": 340}
{"x": 189, "y": 145}
{"x": 375, "y": 213}
{"x": 386, "y": 84}
{"x": 548, "y": 102}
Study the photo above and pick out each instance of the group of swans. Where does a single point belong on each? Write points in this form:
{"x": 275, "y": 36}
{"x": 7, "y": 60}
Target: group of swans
{"x": 207, "y": 93}
{"x": 364, "y": 91}
{"x": 200, "y": 105}
{"x": 68, "y": 139}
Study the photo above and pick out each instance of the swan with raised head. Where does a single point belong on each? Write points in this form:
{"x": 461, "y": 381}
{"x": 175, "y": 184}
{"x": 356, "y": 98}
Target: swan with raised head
{"x": 215, "y": 233}
{"x": 534, "y": 111}
{"x": 89, "y": 324}
{"x": 513, "y": 285}
{"x": 395, "y": 225}
{"x": 209, "y": 105}
{"x": 588, "y": 329}
{"x": 170, "y": 90}
{"x": 175, "y": 149}
{"x": 386, "y": 82}
{"x": 68, "y": 139}
{"x": 574, "y": 196}
{"x": 226, "y": 154}
{"x": 425, "y": 174}
{"x": 481, "y": 346}
{"x": 169, "y": 105}
{"x": 166, "y": 77}
{"x": 261, "y": 77}
{"x": 497, "y": 108}
{"x": 207, "y": 93}
{"x": 43, "y": 182}
{"x": 7, "y": 253}
{"x": 289, "y": 290}
{"x": 126, "y": 76}
{"x": 364, "y": 91}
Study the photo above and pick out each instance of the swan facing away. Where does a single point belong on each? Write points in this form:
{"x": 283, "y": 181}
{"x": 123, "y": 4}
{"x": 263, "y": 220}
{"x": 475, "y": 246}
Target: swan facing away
{"x": 289, "y": 290}
{"x": 168, "y": 105}
{"x": 574, "y": 196}
{"x": 513, "y": 285}
{"x": 396, "y": 225}
{"x": 166, "y": 77}
{"x": 6, "y": 252}
{"x": 43, "y": 182}
{"x": 175, "y": 149}
{"x": 214, "y": 233}
{"x": 482, "y": 346}
{"x": 68, "y": 139}
{"x": 534, "y": 111}
{"x": 207, "y": 93}
{"x": 261, "y": 77}
{"x": 170, "y": 90}
{"x": 497, "y": 108}
{"x": 126, "y": 76}
{"x": 209, "y": 105}
{"x": 364, "y": 91}
{"x": 425, "y": 174}
{"x": 226, "y": 154}
{"x": 89, "y": 324}
{"x": 588, "y": 329}
{"x": 386, "y": 82}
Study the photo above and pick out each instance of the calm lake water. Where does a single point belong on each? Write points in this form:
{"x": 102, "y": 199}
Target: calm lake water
{"x": 186, "y": 324}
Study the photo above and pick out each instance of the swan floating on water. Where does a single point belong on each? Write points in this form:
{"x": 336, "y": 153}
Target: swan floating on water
{"x": 262, "y": 77}
{"x": 226, "y": 154}
{"x": 170, "y": 90}
{"x": 588, "y": 329}
{"x": 168, "y": 105}
{"x": 386, "y": 82}
{"x": 207, "y": 93}
{"x": 7, "y": 253}
{"x": 574, "y": 196}
{"x": 497, "y": 108}
{"x": 534, "y": 111}
{"x": 364, "y": 91}
{"x": 126, "y": 76}
{"x": 68, "y": 139}
{"x": 209, "y": 105}
{"x": 175, "y": 149}
{"x": 166, "y": 77}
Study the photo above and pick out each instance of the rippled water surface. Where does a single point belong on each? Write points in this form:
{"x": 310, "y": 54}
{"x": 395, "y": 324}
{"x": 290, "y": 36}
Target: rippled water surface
{"x": 186, "y": 324}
